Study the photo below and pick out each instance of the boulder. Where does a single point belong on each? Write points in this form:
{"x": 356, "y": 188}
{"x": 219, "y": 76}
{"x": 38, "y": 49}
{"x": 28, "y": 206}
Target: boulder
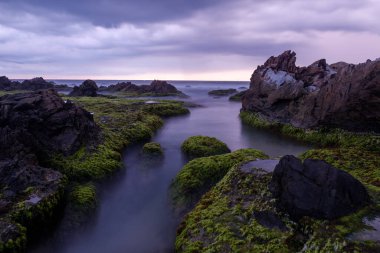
{"x": 315, "y": 188}
{"x": 37, "y": 83}
{"x": 321, "y": 95}
{"x": 5, "y": 83}
{"x": 121, "y": 87}
{"x": 225, "y": 92}
{"x": 158, "y": 86}
{"x": 42, "y": 123}
{"x": 87, "y": 89}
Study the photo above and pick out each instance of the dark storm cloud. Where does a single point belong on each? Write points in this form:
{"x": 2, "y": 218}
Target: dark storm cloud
{"x": 115, "y": 12}
{"x": 150, "y": 35}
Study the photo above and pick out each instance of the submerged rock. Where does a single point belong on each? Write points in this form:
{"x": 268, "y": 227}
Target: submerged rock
{"x": 316, "y": 189}
{"x": 225, "y": 92}
{"x": 87, "y": 89}
{"x": 337, "y": 95}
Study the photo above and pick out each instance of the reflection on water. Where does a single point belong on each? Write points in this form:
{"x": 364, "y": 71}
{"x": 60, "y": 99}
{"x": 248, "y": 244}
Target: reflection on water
{"x": 134, "y": 214}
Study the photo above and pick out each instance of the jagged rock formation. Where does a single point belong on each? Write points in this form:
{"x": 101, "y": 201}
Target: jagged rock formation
{"x": 337, "y": 95}
{"x": 34, "y": 126}
{"x": 87, "y": 89}
{"x": 316, "y": 189}
{"x": 37, "y": 83}
{"x": 159, "y": 88}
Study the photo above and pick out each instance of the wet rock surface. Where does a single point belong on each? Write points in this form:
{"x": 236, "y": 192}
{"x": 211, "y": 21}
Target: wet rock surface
{"x": 34, "y": 126}
{"x": 316, "y": 189}
{"x": 337, "y": 95}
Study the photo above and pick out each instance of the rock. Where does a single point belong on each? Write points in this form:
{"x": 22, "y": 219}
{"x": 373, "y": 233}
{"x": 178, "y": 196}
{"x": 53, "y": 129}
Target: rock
{"x": 121, "y": 87}
{"x": 202, "y": 146}
{"x": 269, "y": 220}
{"x": 5, "y": 83}
{"x": 42, "y": 123}
{"x": 87, "y": 89}
{"x": 316, "y": 189}
{"x": 238, "y": 96}
{"x": 225, "y": 92}
{"x": 156, "y": 88}
{"x": 152, "y": 148}
{"x": 320, "y": 95}
{"x": 37, "y": 83}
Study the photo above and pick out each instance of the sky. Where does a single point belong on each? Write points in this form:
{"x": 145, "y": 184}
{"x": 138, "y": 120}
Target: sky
{"x": 179, "y": 39}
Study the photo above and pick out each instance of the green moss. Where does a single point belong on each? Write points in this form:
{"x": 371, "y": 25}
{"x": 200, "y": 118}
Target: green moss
{"x": 122, "y": 122}
{"x": 83, "y": 197}
{"x": 319, "y": 137}
{"x": 223, "y": 221}
{"x": 237, "y": 97}
{"x": 152, "y": 148}
{"x": 166, "y": 109}
{"x": 200, "y": 174}
{"x": 18, "y": 241}
{"x": 201, "y": 146}
{"x": 225, "y": 92}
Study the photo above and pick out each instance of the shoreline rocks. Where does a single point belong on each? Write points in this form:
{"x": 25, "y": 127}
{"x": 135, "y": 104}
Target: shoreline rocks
{"x": 321, "y": 95}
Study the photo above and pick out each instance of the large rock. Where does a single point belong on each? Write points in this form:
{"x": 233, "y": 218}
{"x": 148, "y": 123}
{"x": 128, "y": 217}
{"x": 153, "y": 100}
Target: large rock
{"x": 338, "y": 95}
{"x": 159, "y": 88}
{"x": 41, "y": 123}
{"x": 87, "y": 89}
{"x": 316, "y": 189}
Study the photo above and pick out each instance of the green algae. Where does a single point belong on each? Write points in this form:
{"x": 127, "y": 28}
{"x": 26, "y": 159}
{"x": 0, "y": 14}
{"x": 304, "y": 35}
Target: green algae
{"x": 152, "y": 148}
{"x": 320, "y": 137}
{"x": 122, "y": 122}
{"x": 224, "y": 221}
{"x": 202, "y": 146}
{"x": 200, "y": 174}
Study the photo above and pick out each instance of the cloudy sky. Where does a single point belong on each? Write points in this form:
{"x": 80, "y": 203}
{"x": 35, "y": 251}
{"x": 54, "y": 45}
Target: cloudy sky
{"x": 179, "y": 39}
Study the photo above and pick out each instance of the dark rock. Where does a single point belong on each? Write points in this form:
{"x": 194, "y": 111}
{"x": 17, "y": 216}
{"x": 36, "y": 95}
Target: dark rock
{"x": 337, "y": 95}
{"x": 42, "y": 123}
{"x": 5, "y": 83}
{"x": 87, "y": 89}
{"x": 159, "y": 88}
{"x": 238, "y": 96}
{"x": 269, "y": 220}
{"x": 37, "y": 83}
{"x": 122, "y": 87}
{"x": 316, "y": 189}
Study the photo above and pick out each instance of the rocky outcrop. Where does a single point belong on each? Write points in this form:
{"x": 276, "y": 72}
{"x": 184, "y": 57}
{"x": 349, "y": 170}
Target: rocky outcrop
{"x": 41, "y": 123}
{"x": 37, "y": 83}
{"x": 87, "y": 89}
{"x": 337, "y": 95}
{"x": 316, "y": 189}
{"x": 156, "y": 88}
{"x": 34, "y": 126}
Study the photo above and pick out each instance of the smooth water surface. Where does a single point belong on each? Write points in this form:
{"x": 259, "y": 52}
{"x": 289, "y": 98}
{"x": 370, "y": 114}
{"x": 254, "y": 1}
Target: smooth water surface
{"x": 134, "y": 212}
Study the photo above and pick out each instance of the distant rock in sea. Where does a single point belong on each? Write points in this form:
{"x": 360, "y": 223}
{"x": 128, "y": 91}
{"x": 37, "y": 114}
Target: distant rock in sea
{"x": 338, "y": 95}
{"x": 87, "y": 89}
{"x": 37, "y": 83}
{"x": 156, "y": 88}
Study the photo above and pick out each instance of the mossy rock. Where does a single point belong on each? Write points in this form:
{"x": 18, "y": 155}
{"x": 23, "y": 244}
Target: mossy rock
{"x": 237, "y": 97}
{"x": 201, "y": 146}
{"x": 225, "y": 220}
{"x": 200, "y": 174}
{"x": 222, "y": 92}
{"x": 122, "y": 122}
{"x": 323, "y": 137}
{"x": 152, "y": 148}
